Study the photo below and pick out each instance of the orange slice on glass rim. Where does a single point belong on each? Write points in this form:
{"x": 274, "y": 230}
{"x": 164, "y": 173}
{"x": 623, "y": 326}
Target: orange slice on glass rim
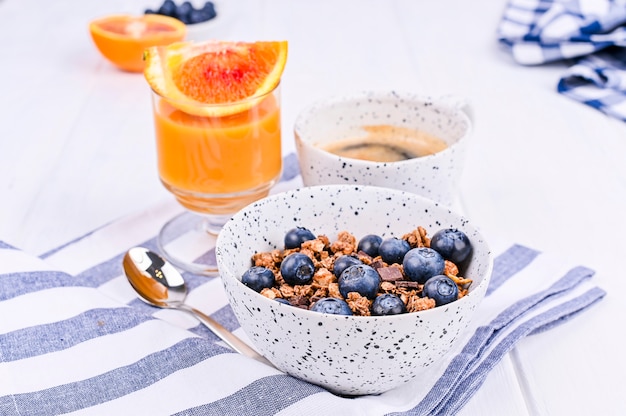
{"x": 215, "y": 78}
{"x": 122, "y": 39}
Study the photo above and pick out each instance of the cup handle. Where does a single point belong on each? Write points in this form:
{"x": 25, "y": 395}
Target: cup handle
{"x": 459, "y": 103}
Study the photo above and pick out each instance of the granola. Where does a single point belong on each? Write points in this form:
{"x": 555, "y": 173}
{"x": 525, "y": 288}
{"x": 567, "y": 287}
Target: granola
{"x": 324, "y": 282}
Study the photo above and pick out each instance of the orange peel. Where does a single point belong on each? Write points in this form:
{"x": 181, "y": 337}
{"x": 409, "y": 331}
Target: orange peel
{"x": 123, "y": 38}
{"x": 215, "y": 78}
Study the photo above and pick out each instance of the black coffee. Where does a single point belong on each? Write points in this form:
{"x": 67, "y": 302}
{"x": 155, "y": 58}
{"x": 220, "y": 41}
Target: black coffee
{"x": 385, "y": 143}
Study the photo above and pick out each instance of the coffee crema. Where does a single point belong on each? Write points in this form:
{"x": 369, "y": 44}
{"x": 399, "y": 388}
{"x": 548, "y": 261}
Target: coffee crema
{"x": 385, "y": 143}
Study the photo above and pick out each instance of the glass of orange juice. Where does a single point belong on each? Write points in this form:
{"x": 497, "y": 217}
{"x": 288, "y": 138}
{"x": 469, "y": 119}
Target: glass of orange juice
{"x": 214, "y": 165}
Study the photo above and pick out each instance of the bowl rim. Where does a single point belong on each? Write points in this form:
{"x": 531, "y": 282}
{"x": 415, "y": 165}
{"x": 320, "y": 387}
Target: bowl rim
{"x": 480, "y": 289}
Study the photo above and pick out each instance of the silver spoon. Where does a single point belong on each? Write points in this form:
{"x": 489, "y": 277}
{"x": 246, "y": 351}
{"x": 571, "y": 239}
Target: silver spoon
{"x": 159, "y": 284}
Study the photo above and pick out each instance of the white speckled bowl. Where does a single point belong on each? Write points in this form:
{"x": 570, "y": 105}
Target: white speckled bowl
{"x": 434, "y": 176}
{"x": 350, "y": 355}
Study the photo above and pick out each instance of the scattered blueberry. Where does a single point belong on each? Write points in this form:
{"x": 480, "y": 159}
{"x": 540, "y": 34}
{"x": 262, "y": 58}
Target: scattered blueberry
{"x": 185, "y": 12}
{"x": 196, "y": 16}
{"x": 452, "y": 244}
{"x": 441, "y": 289}
{"x": 208, "y": 10}
{"x": 422, "y": 263}
{"x": 258, "y": 278}
{"x": 388, "y": 304}
{"x": 370, "y": 244}
{"x": 359, "y": 278}
{"x": 392, "y": 250}
{"x": 185, "y": 8}
{"x": 332, "y": 305}
{"x": 297, "y": 236}
{"x": 209, "y": 7}
{"x": 283, "y": 301}
{"x": 168, "y": 8}
{"x": 343, "y": 262}
{"x": 297, "y": 269}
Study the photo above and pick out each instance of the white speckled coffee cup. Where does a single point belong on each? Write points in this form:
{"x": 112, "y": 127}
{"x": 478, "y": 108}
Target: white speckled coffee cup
{"x": 435, "y": 176}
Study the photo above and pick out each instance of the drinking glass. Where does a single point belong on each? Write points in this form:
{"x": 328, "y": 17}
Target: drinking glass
{"x": 214, "y": 166}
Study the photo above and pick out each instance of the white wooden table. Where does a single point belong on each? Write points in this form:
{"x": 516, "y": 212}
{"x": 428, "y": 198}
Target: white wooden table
{"x": 77, "y": 151}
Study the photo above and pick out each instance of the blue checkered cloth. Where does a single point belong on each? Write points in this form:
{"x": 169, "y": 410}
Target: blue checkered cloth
{"x": 592, "y": 33}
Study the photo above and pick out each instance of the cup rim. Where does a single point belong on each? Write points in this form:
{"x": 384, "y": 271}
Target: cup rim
{"x": 379, "y": 94}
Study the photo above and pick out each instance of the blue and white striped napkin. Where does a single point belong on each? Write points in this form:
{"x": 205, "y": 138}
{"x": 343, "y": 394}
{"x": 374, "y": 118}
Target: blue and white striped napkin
{"x": 592, "y": 33}
{"x": 74, "y": 339}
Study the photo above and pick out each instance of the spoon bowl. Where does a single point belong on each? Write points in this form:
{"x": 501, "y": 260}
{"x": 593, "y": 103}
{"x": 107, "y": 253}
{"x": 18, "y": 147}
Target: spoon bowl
{"x": 155, "y": 280}
{"x": 159, "y": 284}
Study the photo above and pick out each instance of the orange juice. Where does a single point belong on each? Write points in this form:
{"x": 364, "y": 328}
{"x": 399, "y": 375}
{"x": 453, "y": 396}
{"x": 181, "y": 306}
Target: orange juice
{"x": 217, "y": 165}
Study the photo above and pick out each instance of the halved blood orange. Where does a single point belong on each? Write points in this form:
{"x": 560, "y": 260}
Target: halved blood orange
{"x": 215, "y": 78}
{"x": 122, "y": 39}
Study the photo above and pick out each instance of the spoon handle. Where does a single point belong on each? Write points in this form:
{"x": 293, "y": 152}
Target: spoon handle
{"x": 225, "y": 335}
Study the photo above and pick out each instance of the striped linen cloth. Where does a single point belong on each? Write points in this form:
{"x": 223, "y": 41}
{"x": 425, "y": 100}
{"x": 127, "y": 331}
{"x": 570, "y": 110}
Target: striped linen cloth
{"x": 74, "y": 339}
{"x": 591, "y": 33}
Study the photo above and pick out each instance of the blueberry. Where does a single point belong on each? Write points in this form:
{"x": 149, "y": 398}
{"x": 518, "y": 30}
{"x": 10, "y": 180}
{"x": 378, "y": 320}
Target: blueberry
{"x": 196, "y": 16}
{"x": 283, "y": 301}
{"x": 452, "y": 244}
{"x": 388, "y": 304}
{"x": 332, "y": 305}
{"x": 369, "y": 244}
{"x": 149, "y": 11}
{"x": 392, "y": 250}
{"x": 183, "y": 18}
{"x": 209, "y": 10}
{"x": 441, "y": 289}
{"x": 297, "y": 269}
{"x": 168, "y": 8}
{"x": 258, "y": 278}
{"x": 343, "y": 262}
{"x": 209, "y": 6}
{"x": 296, "y": 236}
{"x": 420, "y": 264}
{"x": 359, "y": 278}
{"x": 183, "y": 10}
